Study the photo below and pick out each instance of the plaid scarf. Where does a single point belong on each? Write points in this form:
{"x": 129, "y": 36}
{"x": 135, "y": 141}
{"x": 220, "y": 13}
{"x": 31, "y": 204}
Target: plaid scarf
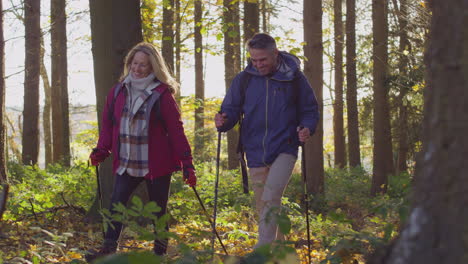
{"x": 133, "y": 151}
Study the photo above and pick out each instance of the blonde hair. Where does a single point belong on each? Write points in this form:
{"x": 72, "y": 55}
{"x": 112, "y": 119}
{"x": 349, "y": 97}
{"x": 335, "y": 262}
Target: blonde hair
{"x": 158, "y": 65}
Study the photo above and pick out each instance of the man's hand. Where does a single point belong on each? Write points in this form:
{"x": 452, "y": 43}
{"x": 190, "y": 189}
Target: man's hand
{"x": 220, "y": 119}
{"x": 303, "y": 134}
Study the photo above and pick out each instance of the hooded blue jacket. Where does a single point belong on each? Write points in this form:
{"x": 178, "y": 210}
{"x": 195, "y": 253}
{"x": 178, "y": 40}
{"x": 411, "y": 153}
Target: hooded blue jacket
{"x": 272, "y": 111}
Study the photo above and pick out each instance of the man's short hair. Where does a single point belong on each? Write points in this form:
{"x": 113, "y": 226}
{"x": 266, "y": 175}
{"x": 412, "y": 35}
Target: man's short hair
{"x": 261, "y": 41}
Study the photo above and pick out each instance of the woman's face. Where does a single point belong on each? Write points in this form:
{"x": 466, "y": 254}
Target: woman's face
{"x": 141, "y": 65}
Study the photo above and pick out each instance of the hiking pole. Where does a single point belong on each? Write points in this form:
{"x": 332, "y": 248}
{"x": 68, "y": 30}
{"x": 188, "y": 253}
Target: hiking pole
{"x": 209, "y": 219}
{"x": 306, "y": 197}
{"x": 99, "y": 191}
{"x": 215, "y": 208}
{"x": 99, "y": 194}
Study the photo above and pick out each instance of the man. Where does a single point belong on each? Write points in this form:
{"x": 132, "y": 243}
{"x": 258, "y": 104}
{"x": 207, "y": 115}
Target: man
{"x": 280, "y": 111}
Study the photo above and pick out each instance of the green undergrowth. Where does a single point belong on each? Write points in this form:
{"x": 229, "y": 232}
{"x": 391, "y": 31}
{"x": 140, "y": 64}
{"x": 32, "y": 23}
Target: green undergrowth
{"x": 345, "y": 223}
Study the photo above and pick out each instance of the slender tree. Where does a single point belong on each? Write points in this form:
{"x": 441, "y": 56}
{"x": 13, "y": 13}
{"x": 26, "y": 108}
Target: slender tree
{"x": 30, "y": 138}
{"x": 383, "y": 158}
{"x": 404, "y": 46}
{"x": 60, "y": 109}
{"x": 354, "y": 151}
{"x": 115, "y": 29}
{"x": 436, "y": 228}
{"x": 178, "y": 44}
{"x": 199, "y": 81}
{"x": 46, "y": 113}
{"x": 4, "y": 187}
{"x": 313, "y": 70}
{"x": 265, "y": 16}
{"x": 231, "y": 67}
{"x": 251, "y": 19}
{"x": 167, "y": 47}
{"x": 338, "y": 124}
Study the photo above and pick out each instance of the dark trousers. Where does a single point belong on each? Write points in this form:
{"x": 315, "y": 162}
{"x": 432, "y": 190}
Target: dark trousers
{"x": 158, "y": 191}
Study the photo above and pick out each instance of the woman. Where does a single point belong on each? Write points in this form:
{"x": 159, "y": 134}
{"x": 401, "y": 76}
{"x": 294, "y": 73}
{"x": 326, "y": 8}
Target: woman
{"x": 142, "y": 129}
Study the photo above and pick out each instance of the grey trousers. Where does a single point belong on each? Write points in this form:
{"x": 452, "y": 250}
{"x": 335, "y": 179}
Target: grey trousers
{"x": 268, "y": 184}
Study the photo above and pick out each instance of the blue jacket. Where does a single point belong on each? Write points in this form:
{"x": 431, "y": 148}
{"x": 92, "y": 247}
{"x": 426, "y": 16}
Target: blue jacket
{"x": 272, "y": 111}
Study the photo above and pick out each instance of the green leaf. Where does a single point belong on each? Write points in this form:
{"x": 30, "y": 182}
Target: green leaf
{"x": 233, "y": 34}
{"x": 284, "y": 223}
{"x": 151, "y": 207}
{"x": 137, "y": 202}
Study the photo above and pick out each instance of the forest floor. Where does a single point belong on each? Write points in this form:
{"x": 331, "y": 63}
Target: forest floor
{"x": 46, "y": 222}
{"x": 66, "y": 238}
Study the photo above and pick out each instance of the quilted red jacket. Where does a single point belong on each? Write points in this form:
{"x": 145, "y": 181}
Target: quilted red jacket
{"x": 168, "y": 147}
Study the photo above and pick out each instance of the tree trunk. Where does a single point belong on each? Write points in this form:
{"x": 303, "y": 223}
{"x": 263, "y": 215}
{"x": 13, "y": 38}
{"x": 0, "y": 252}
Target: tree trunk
{"x": 265, "y": 17}
{"x": 46, "y": 114}
{"x": 403, "y": 145}
{"x": 178, "y": 44}
{"x": 4, "y": 187}
{"x": 313, "y": 70}
{"x": 383, "y": 158}
{"x": 30, "y": 138}
{"x": 251, "y": 19}
{"x": 338, "y": 124}
{"x": 199, "y": 82}
{"x": 436, "y": 228}
{"x": 231, "y": 68}
{"x": 60, "y": 110}
{"x": 167, "y": 47}
{"x": 354, "y": 151}
{"x": 115, "y": 29}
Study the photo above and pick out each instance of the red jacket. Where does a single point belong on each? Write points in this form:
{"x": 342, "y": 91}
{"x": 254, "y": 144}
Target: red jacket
{"x": 168, "y": 147}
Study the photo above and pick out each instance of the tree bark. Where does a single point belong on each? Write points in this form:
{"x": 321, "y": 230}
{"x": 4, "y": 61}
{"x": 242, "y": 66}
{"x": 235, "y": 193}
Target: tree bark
{"x": 338, "y": 123}
{"x": 403, "y": 145}
{"x": 60, "y": 109}
{"x": 4, "y": 187}
{"x": 354, "y": 152}
{"x": 30, "y": 138}
{"x": 382, "y": 151}
{"x": 231, "y": 68}
{"x": 167, "y": 47}
{"x": 265, "y": 16}
{"x": 115, "y": 29}
{"x": 46, "y": 113}
{"x": 178, "y": 44}
{"x": 313, "y": 70}
{"x": 436, "y": 228}
{"x": 199, "y": 81}
{"x": 251, "y": 19}
{"x": 3, "y": 160}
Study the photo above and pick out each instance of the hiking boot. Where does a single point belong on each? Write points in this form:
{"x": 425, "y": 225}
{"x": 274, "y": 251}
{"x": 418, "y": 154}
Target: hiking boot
{"x": 103, "y": 251}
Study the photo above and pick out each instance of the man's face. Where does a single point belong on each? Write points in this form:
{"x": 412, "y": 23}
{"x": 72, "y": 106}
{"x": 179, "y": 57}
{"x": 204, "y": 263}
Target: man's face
{"x": 263, "y": 60}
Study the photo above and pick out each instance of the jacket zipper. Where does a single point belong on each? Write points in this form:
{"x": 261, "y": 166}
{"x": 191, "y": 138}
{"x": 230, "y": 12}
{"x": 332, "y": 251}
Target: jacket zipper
{"x": 266, "y": 122}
